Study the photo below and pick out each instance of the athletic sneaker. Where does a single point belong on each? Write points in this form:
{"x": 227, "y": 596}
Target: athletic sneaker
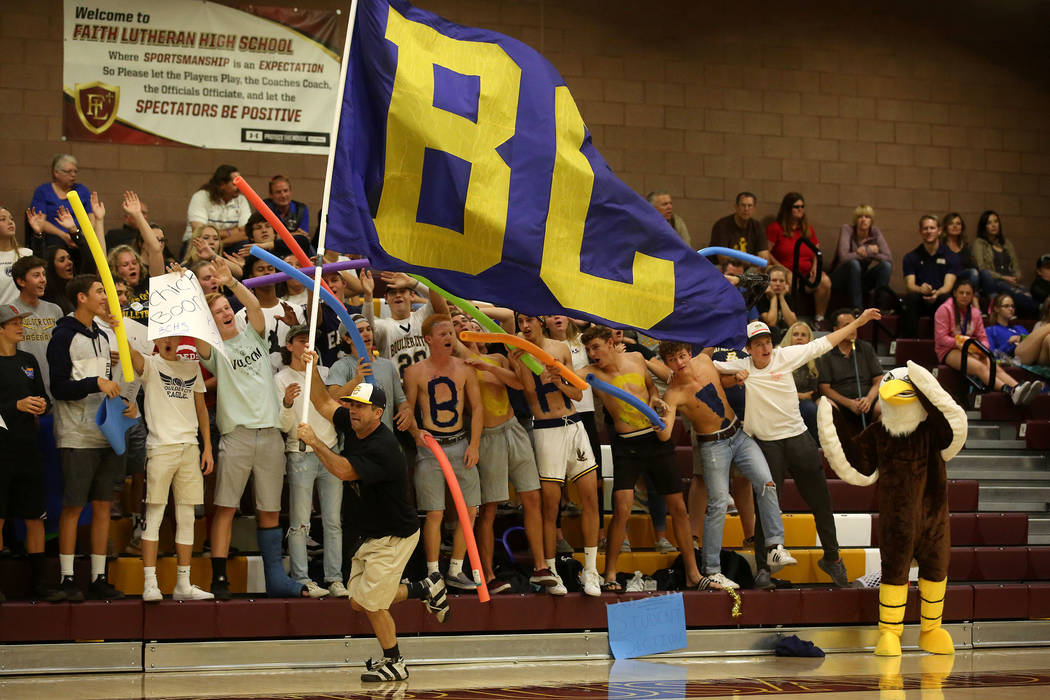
{"x": 151, "y": 592}
{"x": 836, "y": 570}
{"x": 778, "y": 558}
{"x": 461, "y": 581}
{"x": 138, "y": 526}
{"x": 194, "y": 593}
{"x": 436, "y": 598}
{"x": 337, "y": 590}
{"x": 664, "y": 546}
{"x": 70, "y": 592}
{"x": 221, "y": 589}
{"x": 716, "y": 581}
{"x": 498, "y": 585}
{"x": 592, "y": 582}
{"x": 543, "y": 577}
{"x": 315, "y": 591}
{"x": 563, "y": 547}
{"x": 101, "y": 589}
{"x": 558, "y": 588}
{"x": 763, "y": 581}
{"x": 384, "y": 669}
{"x": 48, "y": 594}
{"x": 626, "y": 546}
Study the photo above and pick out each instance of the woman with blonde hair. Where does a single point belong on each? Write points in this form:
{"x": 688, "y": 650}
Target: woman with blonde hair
{"x": 799, "y": 333}
{"x": 126, "y": 264}
{"x": 864, "y": 261}
{"x": 206, "y": 246}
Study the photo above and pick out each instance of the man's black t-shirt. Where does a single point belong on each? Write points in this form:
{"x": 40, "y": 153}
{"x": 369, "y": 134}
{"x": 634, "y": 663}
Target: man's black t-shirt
{"x": 19, "y": 378}
{"x": 377, "y": 503}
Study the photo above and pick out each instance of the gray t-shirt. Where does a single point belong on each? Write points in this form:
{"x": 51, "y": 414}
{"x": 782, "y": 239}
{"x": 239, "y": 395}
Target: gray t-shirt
{"x": 247, "y": 395}
{"x": 37, "y": 332}
{"x": 385, "y": 375}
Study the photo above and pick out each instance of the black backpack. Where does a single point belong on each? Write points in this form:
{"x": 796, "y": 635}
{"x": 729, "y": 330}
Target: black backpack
{"x": 734, "y": 567}
{"x": 569, "y": 569}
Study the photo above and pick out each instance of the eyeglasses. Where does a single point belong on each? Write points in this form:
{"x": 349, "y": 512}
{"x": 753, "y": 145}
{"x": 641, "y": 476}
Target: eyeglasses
{"x": 798, "y": 206}
{"x": 1006, "y": 306}
{"x": 69, "y": 171}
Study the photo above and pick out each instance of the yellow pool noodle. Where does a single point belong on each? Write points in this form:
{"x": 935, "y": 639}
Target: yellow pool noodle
{"x": 107, "y": 283}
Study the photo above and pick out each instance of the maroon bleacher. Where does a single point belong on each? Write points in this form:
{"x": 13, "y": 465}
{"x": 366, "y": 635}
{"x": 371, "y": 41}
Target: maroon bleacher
{"x": 962, "y": 497}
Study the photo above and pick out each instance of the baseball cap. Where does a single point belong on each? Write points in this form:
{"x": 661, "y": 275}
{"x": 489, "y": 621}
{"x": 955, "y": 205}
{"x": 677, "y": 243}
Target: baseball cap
{"x": 9, "y": 312}
{"x": 1043, "y": 261}
{"x": 756, "y": 329}
{"x": 367, "y": 393}
{"x": 355, "y": 318}
{"x": 296, "y": 331}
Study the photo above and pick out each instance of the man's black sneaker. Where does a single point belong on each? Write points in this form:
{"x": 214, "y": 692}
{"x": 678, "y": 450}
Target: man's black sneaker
{"x": 48, "y": 594}
{"x": 101, "y": 589}
{"x": 69, "y": 590}
{"x": 220, "y": 588}
{"x": 436, "y": 598}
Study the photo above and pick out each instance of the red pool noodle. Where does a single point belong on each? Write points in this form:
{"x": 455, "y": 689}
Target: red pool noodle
{"x": 461, "y": 510}
{"x": 278, "y": 226}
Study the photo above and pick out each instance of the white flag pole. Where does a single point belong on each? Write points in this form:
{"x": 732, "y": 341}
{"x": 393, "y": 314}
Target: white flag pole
{"x": 315, "y": 307}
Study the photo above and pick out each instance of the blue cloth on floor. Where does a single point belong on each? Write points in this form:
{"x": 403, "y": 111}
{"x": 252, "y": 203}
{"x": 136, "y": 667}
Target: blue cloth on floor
{"x": 793, "y": 646}
{"x": 278, "y": 583}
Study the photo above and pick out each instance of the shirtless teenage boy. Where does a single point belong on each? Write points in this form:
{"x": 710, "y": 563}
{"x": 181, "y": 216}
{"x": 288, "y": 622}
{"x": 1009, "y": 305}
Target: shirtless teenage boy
{"x": 696, "y": 392}
{"x": 440, "y": 386}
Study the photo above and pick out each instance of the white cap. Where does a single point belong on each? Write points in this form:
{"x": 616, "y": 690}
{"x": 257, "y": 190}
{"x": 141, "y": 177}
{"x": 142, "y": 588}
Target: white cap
{"x": 757, "y": 328}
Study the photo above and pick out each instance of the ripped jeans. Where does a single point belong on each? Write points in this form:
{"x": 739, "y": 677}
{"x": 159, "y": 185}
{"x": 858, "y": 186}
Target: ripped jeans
{"x": 304, "y": 469}
{"x": 739, "y": 449}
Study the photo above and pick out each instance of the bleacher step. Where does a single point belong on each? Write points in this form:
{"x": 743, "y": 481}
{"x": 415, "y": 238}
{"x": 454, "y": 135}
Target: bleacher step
{"x": 1038, "y": 528}
{"x": 989, "y": 472}
{"x": 999, "y": 458}
{"x": 995, "y": 443}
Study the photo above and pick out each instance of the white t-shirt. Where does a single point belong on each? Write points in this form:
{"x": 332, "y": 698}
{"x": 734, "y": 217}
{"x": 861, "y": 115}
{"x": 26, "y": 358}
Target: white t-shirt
{"x": 221, "y": 215}
{"x": 290, "y": 417}
{"x": 579, "y": 359}
{"x": 772, "y": 399}
{"x": 402, "y": 341}
{"x": 8, "y": 288}
{"x": 276, "y": 329}
{"x": 171, "y": 413}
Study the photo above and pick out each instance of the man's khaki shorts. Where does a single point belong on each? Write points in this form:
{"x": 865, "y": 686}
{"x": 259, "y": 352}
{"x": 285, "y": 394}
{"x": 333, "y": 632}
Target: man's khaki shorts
{"x": 375, "y": 572}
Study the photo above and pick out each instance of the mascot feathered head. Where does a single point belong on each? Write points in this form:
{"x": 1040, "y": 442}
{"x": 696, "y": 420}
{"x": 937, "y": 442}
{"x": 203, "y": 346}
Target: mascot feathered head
{"x": 901, "y": 409}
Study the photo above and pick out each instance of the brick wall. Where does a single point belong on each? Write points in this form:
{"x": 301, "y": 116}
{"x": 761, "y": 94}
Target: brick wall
{"x": 911, "y": 113}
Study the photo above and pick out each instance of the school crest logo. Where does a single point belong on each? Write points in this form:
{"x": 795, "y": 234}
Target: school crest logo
{"x": 177, "y": 388}
{"x": 96, "y": 105}
{"x": 30, "y": 372}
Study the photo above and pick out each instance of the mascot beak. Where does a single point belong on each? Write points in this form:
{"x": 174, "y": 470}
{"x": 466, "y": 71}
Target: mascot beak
{"x": 897, "y": 391}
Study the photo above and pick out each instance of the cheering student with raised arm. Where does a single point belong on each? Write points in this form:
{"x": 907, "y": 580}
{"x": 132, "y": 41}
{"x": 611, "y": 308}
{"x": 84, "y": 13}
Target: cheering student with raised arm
{"x": 375, "y": 483}
{"x": 774, "y": 421}
{"x": 175, "y": 411}
{"x": 441, "y": 386}
{"x": 251, "y": 444}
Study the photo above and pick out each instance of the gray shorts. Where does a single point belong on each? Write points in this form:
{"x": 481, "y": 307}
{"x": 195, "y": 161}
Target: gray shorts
{"x": 430, "y": 480}
{"x": 89, "y": 474}
{"x": 506, "y": 451}
{"x": 256, "y": 452}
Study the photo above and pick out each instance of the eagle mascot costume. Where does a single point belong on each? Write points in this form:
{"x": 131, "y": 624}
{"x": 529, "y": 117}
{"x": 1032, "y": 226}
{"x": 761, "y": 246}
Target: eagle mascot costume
{"x": 922, "y": 427}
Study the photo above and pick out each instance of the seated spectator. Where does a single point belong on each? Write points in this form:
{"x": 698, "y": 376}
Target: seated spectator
{"x": 791, "y": 225}
{"x": 929, "y": 274}
{"x": 10, "y": 251}
{"x": 294, "y": 214}
{"x": 128, "y": 231}
{"x": 52, "y": 196}
{"x": 219, "y": 203}
{"x": 60, "y": 269}
{"x": 953, "y": 236}
{"x": 806, "y": 376}
{"x": 206, "y": 246}
{"x": 997, "y": 264}
{"x": 955, "y": 322}
{"x": 1010, "y": 340}
{"x": 22, "y": 485}
{"x": 261, "y": 233}
{"x": 774, "y": 308}
{"x": 864, "y": 261}
{"x": 740, "y": 230}
{"x": 850, "y": 375}
{"x": 1041, "y": 284}
{"x": 661, "y": 201}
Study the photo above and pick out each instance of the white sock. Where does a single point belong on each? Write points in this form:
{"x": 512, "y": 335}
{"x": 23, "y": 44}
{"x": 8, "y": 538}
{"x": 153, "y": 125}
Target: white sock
{"x": 590, "y": 558}
{"x": 432, "y": 567}
{"x": 455, "y": 567}
{"x": 550, "y": 565}
{"x": 149, "y": 574}
{"x": 182, "y": 578}
{"x": 98, "y": 565}
{"x": 65, "y": 564}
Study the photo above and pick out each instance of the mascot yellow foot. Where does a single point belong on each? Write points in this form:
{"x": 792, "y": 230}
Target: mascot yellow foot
{"x": 932, "y": 637}
{"x": 892, "y": 600}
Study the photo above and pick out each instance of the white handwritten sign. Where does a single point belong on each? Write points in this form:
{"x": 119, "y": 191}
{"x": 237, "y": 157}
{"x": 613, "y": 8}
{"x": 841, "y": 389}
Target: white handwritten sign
{"x": 177, "y": 307}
